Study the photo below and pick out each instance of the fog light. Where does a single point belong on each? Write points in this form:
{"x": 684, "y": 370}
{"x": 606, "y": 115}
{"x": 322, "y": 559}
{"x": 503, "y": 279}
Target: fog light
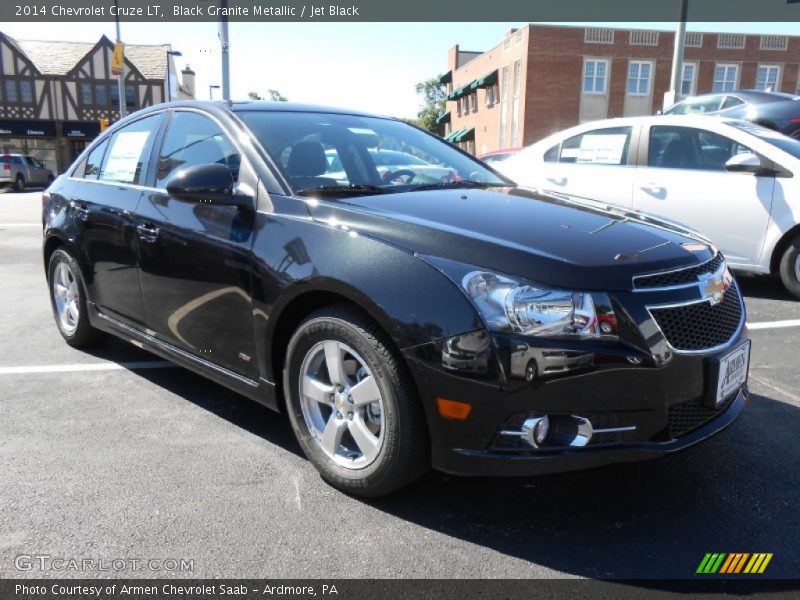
{"x": 535, "y": 430}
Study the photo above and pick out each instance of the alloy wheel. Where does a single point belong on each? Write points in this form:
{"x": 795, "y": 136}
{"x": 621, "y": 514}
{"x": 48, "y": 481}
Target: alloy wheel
{"x": 342, "y": 404}
{"x": 66, "y": 297}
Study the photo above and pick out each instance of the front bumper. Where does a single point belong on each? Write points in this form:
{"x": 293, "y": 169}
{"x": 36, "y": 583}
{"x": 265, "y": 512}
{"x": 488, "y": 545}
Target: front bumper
{"x": 659, "y": 405}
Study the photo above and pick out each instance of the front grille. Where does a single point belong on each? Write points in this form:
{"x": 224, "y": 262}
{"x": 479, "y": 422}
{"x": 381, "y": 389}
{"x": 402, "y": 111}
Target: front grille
{"x": 688, "y": 416}
{"x": 682, "y": 277}
{"x": 701, "y": 326}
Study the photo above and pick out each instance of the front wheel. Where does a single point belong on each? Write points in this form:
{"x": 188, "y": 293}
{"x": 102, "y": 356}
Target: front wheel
{"x": 351, "y": 404}
{"x": 68, "y": 299}
{"x": 790, "y": 268}
{"x": 19, "y": 184}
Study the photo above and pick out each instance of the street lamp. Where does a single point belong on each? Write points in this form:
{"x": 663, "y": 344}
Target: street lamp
{"x": 211, "y": 89}
{"x": 169, "y": 87}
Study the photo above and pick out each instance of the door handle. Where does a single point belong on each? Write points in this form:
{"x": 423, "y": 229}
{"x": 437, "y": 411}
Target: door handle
{"x": 147, "y": 232}
{"x": 81, "y": 209}
{"x": 557, "y": 180}
{"x": 659, "y": 191}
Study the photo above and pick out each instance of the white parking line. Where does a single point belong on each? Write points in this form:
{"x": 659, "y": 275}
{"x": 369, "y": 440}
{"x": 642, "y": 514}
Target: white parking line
{"x": 75, "y": 368}
{"x": 774, "y": 324}
{"x": 2, "y": 225}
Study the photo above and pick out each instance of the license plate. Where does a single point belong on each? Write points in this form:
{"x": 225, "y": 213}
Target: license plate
{"x": 732, "y": 372}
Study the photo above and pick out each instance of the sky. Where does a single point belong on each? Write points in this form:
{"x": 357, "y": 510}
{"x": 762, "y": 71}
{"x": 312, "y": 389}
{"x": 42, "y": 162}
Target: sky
{"x": 363, "y": 66}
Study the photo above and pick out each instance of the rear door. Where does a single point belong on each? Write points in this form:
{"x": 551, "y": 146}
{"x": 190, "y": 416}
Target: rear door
{"x": 684, "y": 179}
{"x": 104, "y": 201}
{"x": 197, "y": 271}
{"x": 596, "y": 164}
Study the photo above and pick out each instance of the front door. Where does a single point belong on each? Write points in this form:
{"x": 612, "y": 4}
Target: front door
{"x": 197, "y": 272}
{"x": 685, "y": 181}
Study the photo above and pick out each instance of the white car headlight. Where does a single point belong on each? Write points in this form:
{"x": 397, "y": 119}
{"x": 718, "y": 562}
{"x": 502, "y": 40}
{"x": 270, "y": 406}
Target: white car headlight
{"x": 508, "y": 305}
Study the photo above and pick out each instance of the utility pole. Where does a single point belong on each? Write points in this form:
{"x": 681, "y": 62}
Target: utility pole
{"x": 123, "y": 100}
{"x": 225, "y": 47}
{"x": 677, "y": 56}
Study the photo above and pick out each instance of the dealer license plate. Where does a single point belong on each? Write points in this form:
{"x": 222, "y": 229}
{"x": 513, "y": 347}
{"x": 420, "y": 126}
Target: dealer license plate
{"x": 732, "y": 372}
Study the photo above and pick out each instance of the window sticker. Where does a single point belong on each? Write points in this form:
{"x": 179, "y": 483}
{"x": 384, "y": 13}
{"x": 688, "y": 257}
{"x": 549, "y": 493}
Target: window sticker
{"x": 602, "y": 149}
{"x": 124, "y": 160}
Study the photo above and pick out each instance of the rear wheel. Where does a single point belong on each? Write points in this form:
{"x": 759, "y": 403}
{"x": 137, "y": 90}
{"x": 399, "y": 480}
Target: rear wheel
{"x": 19, "y": 184}
{"x": 790, "y": 267}
{"x": 68, "y": 299}
{"x": 351, "y": 404}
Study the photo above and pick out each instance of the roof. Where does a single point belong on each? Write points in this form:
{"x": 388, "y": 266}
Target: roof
{"x": 59, "y": 58}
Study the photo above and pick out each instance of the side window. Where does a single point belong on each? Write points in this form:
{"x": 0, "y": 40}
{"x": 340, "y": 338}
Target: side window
{"x": 730, "y": 102}
{"x": 552, "y": 154}
{"x": 94, "y": 162}
{"x": 129, "y": 151}
{"x": 690, "y": 148}
{"x": 193, "y": 139}
{"x": 600, "y": 147}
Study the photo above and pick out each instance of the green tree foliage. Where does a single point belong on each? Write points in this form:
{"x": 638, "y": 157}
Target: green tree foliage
{"x": 433, "y": 105}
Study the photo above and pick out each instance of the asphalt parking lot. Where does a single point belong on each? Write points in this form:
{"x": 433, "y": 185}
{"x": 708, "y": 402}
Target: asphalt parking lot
{"x": 115, "y": 454}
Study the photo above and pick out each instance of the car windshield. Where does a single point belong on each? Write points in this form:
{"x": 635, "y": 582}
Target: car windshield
{"x": 357, "y": 155}
{"x": 785, "y": 143}
{"x": 690, "y": 106}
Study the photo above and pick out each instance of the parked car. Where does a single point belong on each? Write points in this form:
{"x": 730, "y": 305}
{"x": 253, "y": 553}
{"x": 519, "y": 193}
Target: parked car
{"x": 774, "y": 110}
{"x": 395, "y": 323}
{"x": 19, "y": 170}
{"x": 733, "y": 181}
{"x": 498, "y": 156}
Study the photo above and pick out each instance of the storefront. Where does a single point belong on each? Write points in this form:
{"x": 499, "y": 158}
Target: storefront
{"x": 34, "y": 138}
{"x": 78, "y": 135}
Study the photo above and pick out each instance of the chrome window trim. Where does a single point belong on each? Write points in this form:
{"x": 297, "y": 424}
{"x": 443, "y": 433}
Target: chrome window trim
{"x": 679, "y": 286}
{"x": 713, "y": 349}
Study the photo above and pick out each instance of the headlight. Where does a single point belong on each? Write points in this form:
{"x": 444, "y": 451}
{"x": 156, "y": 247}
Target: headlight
{"x": 509, "y": 305}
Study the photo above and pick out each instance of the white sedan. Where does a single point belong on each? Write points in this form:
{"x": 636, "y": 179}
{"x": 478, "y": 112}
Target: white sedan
{"x": 735, "y": 182}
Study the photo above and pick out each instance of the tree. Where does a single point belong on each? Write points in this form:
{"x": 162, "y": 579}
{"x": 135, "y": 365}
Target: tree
{"x": 273, "y": 95}
{"x": 434, "y": 97}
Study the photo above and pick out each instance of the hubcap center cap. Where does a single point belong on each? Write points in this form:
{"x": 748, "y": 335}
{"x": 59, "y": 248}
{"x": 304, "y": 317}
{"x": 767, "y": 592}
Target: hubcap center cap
{"x": 341, "y": 401}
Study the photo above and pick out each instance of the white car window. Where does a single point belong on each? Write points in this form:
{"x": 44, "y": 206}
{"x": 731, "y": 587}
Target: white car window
{"x": 674, "y": 147}
{"x": 608, "y": 146}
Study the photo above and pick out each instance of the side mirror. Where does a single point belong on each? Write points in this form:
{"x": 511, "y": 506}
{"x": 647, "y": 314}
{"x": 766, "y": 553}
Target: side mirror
{"x": 745, "y": 162}
{"x": 212, "y": 183}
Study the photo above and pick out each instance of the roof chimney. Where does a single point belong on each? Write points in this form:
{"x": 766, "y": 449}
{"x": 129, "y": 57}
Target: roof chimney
{"x": 187, "y": 78}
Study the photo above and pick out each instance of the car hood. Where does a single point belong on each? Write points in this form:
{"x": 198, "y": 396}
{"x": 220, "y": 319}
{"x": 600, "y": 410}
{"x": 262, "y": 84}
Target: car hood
{"x": 548, "y": 238}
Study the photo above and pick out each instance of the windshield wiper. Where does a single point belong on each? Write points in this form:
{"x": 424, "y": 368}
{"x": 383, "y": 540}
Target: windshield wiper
{"x": 353, "y": 189}
{"x": 443, "y": 185}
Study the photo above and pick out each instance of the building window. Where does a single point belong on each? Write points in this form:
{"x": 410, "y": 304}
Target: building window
{"x": 26, "y": 91}
{"x": 515, "y": 104}
{"x": 688, "y": 79}
{"x": 694, "y": 39}
{"x": 503, "y": 106}
{"x": 86, "y": 94}
{"x": 491, "y": 95}
{"x": 731, "y": 40}
{"x": 725, "y": 77}
{"x": 18, "y": 91}
{"x": 473, "y": 100}
{"x": 458, "y": 107}
{"x": 639, "y": 78}
{"x": 643, "y": 37}
{"x": 101, "y": 94}
{"x": 774, "y": 42}
{"x": 594, "y": 76}
{"x": 104, "y": 94}
{"x": 597, "y": 35}
{"x": 767, "y": 78}
{"x": 10, "y": 91}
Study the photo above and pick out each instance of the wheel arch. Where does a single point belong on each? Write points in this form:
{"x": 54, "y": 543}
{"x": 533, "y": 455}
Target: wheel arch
{"x": 780, "y": 248}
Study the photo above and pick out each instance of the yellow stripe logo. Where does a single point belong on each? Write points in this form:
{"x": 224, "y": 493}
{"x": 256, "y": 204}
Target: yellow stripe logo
{"x": 734, "y": 563}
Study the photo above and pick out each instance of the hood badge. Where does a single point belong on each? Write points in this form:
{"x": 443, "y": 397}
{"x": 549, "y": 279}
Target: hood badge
{"x": 694, "y": 247}
{"x": 714, "y": 285}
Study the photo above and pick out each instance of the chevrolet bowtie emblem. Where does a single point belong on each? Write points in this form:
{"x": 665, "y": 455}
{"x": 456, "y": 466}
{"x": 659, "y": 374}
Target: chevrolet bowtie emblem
{"x": 714, "y": 285}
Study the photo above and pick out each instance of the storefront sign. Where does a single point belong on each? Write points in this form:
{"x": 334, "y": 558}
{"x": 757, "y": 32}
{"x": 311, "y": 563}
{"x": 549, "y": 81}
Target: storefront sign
{"x": 81, "y": 130}
{"x": 21, "y": 128}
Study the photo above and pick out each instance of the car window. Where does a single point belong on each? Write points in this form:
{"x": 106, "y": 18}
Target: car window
{"x": 552, "y": 154}
{"x": 696, "y": 106}
{"x": 94, "y": 161}
{"x": 607, "y": 146}
{"x": 129, "y": 150}
{"x": 690, "y": 148}
{"x": 308, "y": 146}
{"x": 194, "y": 139}
{"x": 730, "y": 102}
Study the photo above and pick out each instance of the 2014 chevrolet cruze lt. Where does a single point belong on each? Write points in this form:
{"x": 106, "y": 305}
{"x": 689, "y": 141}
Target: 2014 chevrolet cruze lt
{"x": 403, "y": 318}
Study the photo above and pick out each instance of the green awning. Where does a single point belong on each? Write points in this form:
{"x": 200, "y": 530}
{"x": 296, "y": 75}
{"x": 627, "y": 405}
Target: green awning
{"x": 486, "y": 81}
{"x": 446, "y": 78}
{"x": 445, "y": 118}
{"x": 453, "y": 135}
{"x": 463, "y": 135}
{"x": 458, "y": 93}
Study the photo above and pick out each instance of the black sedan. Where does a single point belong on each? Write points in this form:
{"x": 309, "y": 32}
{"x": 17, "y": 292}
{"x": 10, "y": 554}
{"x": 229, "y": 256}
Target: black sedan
{"x": 776, "y": 110}
{"x": 401, "y": 320}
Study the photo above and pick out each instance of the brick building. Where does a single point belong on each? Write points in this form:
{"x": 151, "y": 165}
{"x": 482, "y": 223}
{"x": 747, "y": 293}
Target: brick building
{"x": 54, "y": 93}
{"x": 544, "y": 78}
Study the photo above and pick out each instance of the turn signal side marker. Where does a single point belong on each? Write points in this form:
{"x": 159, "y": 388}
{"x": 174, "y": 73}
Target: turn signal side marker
{"x": 451, "y": 409}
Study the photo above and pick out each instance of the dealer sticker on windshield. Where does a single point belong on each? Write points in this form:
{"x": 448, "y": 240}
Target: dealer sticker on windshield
{"x": 732, "y": 372}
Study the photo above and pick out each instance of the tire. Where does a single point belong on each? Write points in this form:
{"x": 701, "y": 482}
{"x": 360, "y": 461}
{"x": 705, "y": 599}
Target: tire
{"x": 790, "y": 267}
{"x": 397, "y": 452}
{"x": 72, "y": 321}
{"x": 19, "y": 184}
